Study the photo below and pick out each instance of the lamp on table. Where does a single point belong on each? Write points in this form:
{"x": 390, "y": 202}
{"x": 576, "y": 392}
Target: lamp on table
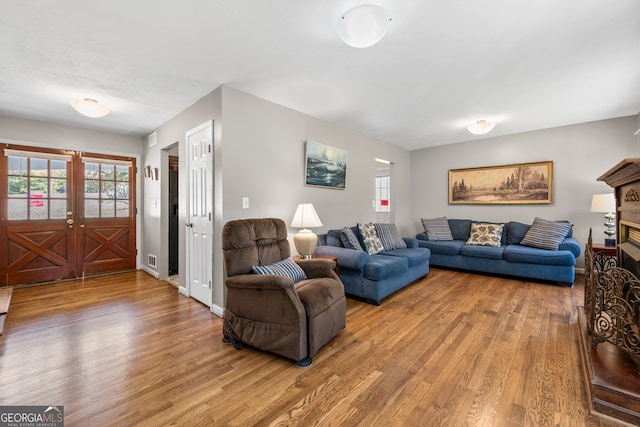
{"x": 606, "y": 203}
{"x": 306, "y": 240}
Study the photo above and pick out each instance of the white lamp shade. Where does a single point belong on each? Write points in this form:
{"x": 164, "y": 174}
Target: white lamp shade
{"x": 90, "y": 107}
{"x": 481, "y": 127}
{"x": 363, "y": 26}
{"x": 603, "y": 203}
{"x": 305, "y": 217}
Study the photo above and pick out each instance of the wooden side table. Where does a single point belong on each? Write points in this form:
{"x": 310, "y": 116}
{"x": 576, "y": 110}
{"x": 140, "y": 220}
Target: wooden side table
{"x": 609, "y": 250}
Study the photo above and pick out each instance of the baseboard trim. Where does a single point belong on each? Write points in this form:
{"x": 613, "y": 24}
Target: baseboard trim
{"x": 150, "y": 272}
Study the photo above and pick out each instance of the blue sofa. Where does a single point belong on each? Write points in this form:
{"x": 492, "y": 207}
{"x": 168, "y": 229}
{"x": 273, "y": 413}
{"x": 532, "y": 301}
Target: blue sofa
{"x": 374, "y": 277}
{"x": 510, "y": 259}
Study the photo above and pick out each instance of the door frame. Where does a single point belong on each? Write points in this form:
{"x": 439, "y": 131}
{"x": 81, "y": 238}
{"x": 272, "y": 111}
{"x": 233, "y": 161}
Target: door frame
{"x": 138, "y": 173}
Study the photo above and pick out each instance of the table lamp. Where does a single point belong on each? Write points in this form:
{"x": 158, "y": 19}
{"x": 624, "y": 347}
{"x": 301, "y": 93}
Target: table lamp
{"x": 606, "y": 203}
{"x": 306, "y": 240}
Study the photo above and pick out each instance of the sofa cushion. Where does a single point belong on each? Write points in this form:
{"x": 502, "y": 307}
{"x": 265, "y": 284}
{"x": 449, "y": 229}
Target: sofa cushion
{"x": 380, "y": 267}
{"x": 485, "y": 234}
{"x": 390, "y": 237}
{"x": 349, "y": 239}
{"x": 333, "y": 238}
{"x": 480, "y": 251}
{"x": 443, "y": 247}
{"x": 460, "y": 228}
{"x": 516, "y": 232}
{"x": 287, "y": 268}
{"x": 529, "y": 255}
{"x": 545, "y": 234}
{"x": 437, "y": 228}
{"x": 415, "y": 256}
{"x": 372, "y": 243}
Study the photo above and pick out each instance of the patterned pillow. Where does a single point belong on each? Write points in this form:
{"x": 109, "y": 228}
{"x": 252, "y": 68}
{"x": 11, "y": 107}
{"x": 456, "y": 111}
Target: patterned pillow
{"x": 545, "y": 234}
{"x": 287, "y": 268}
{"x": 372, "y": 242}
{"x": 437, "y": 228}
{"x": 390, "y": 237}
{"x": 485, "y": 234}
{"x": 350, "y": 240}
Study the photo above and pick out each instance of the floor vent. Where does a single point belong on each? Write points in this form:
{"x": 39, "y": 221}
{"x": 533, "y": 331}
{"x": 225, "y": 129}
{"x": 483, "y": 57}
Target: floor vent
{"x": 152, "y": 262}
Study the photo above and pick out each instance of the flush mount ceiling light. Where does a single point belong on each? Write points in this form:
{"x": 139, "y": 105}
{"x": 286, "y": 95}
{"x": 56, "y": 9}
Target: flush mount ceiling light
{"x": 480, "y": 127}
{"x": 363, "y": 26}
{"x": 90, "y": 107}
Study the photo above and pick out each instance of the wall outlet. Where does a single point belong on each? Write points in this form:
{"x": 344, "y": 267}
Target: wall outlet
{"x": 245, "y": 203}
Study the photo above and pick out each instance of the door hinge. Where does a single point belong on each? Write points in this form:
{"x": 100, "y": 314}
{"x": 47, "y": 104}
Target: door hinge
{"x": 209, "y": 146}
{"x": 209, "y": 284}
{"x": 209, "y": 216}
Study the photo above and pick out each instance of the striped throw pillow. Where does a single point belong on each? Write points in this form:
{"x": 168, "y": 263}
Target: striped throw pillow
{"x": 287, "y": 268}
{"x": 349, "y": 239}
{"x": 545, "y": 234}
{"x": 390, "y": 237}
{"x": 437, "y": 228}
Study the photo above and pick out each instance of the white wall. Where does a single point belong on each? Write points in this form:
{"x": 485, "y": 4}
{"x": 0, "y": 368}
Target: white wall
{"x": 263, "y": 159}
{"x": 156, "y": 203}
{"x": 45, "y": 134}
{"x": 580, "y": 154}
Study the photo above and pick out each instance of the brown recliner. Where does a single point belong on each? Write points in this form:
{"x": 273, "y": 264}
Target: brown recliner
{"x": 272, "y": 312}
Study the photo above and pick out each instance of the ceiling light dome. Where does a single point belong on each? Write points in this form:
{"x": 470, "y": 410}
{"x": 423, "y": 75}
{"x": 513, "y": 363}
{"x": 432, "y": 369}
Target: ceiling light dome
{"x": 90, "y": 107}
{"x": 480, "y": 127}
{"x": 363, "y": 26}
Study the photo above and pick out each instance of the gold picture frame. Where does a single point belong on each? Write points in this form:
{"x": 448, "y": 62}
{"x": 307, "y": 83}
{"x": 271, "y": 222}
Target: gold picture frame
{"x": 522, "y": 183}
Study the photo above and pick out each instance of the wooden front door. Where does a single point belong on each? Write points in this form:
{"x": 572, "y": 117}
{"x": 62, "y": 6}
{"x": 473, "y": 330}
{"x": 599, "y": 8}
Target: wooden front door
{"x": 64, "y": 214}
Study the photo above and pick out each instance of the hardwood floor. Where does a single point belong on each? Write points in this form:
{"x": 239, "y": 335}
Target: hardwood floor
{"x": 453, "y": 349}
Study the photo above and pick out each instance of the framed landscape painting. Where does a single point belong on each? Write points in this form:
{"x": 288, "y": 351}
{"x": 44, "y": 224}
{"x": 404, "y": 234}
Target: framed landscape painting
{"x": 325, "y": 166}
{"x": 523, "y": 183}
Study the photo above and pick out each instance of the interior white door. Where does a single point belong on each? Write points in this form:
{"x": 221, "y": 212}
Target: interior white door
{"x": 200, "y": 212}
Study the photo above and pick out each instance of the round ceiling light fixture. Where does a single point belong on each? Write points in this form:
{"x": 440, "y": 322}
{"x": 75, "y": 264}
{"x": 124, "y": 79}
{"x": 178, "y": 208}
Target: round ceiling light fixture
{"x": 363, "y": 26}
{"x": 90, "y": 107}
{"x": 480, "y": 127}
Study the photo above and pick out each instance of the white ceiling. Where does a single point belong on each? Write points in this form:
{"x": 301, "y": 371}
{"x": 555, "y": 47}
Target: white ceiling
{"x": 444, "y": 63}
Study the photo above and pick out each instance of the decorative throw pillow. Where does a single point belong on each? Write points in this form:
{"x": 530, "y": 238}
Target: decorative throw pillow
{"x": 437, "y": 228}
{"x": 484, "y": 234}
{"x": 287, "y": 268}
{"x": 390, "y": 237}
{"x": 350, "y": 240}
{"x": 372, "y": 243}
{"x": 545, "y": 234}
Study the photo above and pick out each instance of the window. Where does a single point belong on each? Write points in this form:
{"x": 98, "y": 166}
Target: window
{"x": 383, "y": 195}
{"x": 37, "y": 185}
{"x": 106, "y": 188}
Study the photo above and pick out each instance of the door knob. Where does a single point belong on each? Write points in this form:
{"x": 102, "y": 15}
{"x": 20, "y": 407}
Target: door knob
{"x": 70, "y": 221}
{"x": 189, "y": 224}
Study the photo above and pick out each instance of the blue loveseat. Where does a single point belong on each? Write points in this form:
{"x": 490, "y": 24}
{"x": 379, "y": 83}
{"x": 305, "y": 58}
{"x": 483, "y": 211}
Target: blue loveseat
{"x": 374, "y": 277}
{"x": 511, "y": 258}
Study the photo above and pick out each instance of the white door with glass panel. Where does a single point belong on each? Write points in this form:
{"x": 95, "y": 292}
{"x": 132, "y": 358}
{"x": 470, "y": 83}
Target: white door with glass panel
{"x": 200, "y": 212}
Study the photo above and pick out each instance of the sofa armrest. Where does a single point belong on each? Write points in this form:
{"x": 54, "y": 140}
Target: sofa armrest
{"x": 422, "y": 236}
{"x": 411, "y": 242}
{"x": 350, "y": 259}
{"x": 317, "y": 267}
{"x": 570, "y": 244}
